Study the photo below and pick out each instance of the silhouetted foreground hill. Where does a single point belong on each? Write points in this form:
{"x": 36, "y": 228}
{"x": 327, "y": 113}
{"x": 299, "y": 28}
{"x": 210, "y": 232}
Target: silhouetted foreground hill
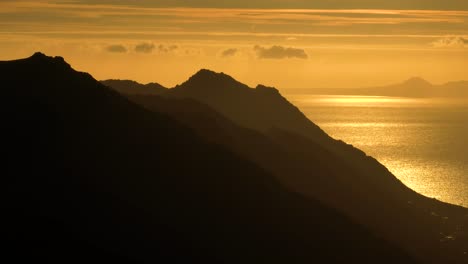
{"x": 297, "y": 152}
{"x": 92, "y": 177}
{"x": 413, "y": 87}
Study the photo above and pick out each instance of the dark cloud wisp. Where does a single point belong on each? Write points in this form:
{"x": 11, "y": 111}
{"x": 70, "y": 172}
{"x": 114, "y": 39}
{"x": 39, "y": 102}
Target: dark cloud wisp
{"x": 167, "y": 48}
{"x": 229, "y": 52}
{"x": 116, "y": 49}
{"x": 300, "y": 4}
{"x": 145, "y": 48}
{"x": 279, "y": 52}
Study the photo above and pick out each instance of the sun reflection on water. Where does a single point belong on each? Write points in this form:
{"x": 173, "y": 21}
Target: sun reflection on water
{"x": 421, "y": 141}
{"x": 363, "y": 99}
{"x": 434, "y": 180}
{"x": 353, "y": 100}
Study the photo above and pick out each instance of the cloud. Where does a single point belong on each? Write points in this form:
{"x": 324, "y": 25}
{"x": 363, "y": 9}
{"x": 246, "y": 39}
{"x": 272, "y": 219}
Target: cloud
{"x": 279, "y": 52}
{"x": 167, "y": 48}
{"x": 191, "y": 52}
{"x": 451, "y": 42}
{"x": 145, "y": 48}
{"x": 116, "y": 49}
{"x": 306, "y": 4}
{"x": 229, "y": 52}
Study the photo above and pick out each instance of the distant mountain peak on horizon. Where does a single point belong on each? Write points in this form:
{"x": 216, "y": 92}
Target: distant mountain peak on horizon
{"x": 417, "y": 81}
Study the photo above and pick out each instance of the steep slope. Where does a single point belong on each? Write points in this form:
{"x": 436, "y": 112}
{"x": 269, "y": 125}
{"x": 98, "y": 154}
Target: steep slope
{"x": 419, "y": 225}
{"x": 323, "y": 168}
{"x": 92, "y": 177}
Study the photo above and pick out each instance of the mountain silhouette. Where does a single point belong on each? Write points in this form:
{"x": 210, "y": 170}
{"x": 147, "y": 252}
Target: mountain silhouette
{"x": 308, "y": 161}
{"x": 417, "y": 82}
{"x": 458, "y": 89}
{"x": 93, "y": 177}
{"x": 132, "y": 87}
{"x": 261, "y": 108}
{"x": 418, "y": 87}
{"x": 414, "y": 87}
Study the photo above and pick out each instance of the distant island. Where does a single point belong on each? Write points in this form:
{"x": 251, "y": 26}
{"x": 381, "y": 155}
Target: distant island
{"x": 414, "y": 87}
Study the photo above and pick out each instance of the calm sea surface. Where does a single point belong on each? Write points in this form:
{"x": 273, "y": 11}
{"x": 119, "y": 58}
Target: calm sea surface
{"x": 424, "y": 142}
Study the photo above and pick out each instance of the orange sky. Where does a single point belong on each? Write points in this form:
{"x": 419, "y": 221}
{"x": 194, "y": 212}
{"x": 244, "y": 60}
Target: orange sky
{"x": 286, "y": 44}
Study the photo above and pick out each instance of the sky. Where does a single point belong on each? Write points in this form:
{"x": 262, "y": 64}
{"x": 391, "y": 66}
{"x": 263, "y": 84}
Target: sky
{"x": 281, "y": 43}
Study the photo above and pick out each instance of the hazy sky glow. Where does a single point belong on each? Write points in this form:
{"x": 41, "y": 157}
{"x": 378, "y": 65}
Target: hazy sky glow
{"x": 287, "y": 44}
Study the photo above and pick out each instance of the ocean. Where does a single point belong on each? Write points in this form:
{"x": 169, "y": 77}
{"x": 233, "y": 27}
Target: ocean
{"x": 423, "y": 142}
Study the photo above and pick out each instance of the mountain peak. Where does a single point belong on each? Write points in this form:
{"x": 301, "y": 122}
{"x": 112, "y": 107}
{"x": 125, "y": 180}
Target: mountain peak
{"x": 206, "y": 72}
{"x": 209, "y": 74}
{"x": 417, "y": 81}
{"x": 266, "y": 89}
{"x": 42, "y": 58}
{"x": 39, "y": 55}
{"x": 209, "y": 80}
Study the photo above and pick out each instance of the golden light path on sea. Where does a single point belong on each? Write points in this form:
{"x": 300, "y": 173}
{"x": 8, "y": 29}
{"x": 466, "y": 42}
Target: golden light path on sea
{"x": 421, "y": 141}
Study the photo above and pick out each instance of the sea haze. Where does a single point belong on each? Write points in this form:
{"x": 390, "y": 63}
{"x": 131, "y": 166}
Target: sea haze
{"x": 422, "y": 141}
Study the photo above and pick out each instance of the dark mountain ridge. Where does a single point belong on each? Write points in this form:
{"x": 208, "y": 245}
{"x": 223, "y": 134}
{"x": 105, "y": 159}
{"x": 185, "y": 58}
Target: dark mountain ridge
{"x": 91, "y": 176}
{"x": 304, "y": 158}
{"x": 261, "y": 108}
{"x": 132, "y": 87}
